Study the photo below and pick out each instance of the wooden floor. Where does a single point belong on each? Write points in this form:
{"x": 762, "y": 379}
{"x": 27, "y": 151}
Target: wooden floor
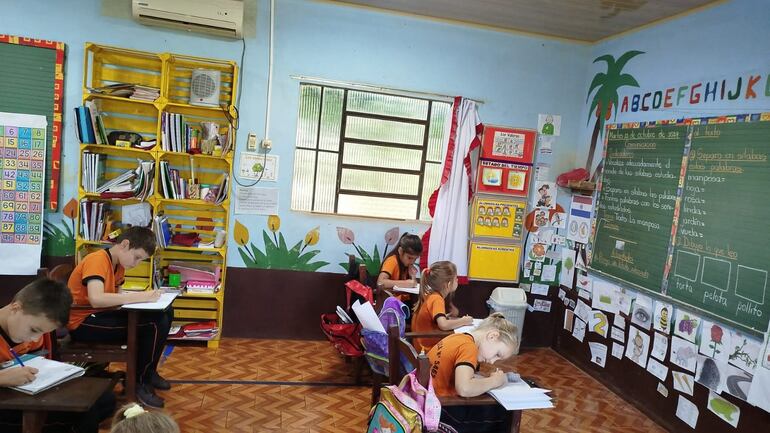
{"x": 303, "y": 386}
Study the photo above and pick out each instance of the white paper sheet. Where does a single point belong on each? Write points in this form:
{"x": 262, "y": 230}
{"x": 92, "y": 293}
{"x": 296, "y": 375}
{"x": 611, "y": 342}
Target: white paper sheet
{"x": 657, "y": 369}
{"x": 617, "y": 350}
{"x": 519, "y": 395}
{"x": 598, "y": 353}
{"x": 469, "y": 328}
{"x": 687, "y": 412}
{"x": 683, "y": 382}
{"x": 725, "y": 410}
{"x": 539, "y": 289}
{"x": 579, "y": 331}
{"x": 659, "y": 346}
{"x": 618, "y": 334}
{"x": 368, "y": 317}
{"x": 161, "y": 304}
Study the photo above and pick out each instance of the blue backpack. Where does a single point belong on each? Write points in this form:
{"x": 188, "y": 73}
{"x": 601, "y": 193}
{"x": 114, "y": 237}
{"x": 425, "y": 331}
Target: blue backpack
{"x": 393, "y": 312}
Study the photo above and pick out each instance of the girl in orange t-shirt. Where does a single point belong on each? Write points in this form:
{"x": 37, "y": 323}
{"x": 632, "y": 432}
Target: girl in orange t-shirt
{"x": 398, "y": 267}
{"x": 453, "y": 364}
{"x": 437, "y": 286}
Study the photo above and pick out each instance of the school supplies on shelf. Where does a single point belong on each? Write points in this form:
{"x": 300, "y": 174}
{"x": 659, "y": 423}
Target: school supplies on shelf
{"x": 126, "y": 90}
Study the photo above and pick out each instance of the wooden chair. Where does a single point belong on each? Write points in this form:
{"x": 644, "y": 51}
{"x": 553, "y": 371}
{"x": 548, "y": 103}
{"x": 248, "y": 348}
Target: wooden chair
{"x": 66, "y": 350}
{"x": 400, "y": 346}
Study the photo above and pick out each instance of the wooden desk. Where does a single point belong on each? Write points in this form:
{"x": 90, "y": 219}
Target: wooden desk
{"x": 76, "y": 395}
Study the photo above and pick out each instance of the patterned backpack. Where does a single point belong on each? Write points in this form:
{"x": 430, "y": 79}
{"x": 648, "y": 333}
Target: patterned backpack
{"x": 408, "y": 407}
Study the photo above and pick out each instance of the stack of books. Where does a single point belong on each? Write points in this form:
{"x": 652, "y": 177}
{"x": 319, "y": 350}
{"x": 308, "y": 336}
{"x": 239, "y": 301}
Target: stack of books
{"x": 132, "y": 91}
{"x": 133, "y": 184}
{"x": 162, "y": 229}
{"x": 179, "y": 136}
{"x": 93, "y": 219}
{"x": 90, "y": 124}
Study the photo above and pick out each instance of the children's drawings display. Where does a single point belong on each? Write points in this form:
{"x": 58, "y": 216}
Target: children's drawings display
{"x": 22, "y": 143}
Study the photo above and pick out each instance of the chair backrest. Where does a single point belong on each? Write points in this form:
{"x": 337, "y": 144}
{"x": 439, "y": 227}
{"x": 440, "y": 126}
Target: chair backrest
{"x": 399, "y": 347}
{"x": 61, "y": 272}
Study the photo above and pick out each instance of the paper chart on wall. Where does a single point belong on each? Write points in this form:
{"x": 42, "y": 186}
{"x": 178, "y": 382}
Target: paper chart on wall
{"x": 684, "y": 354}
{"x": 598, "y": 353}
{"x": 579, "y": 222}
{"x": 618, "y": 334}
{"x": 638, "y": 346}
{"x": 683, "y": 382}
{"x": 663, "y": 314}
{"x": 617, "y": 350}
{"x": 605, "y": 296}
{"x": 579, "y": 331}
{"x": 657, "y": 369}
{"x": 725, "y": 410}
{"x": 23, "y": 146}
{"x": 687, "y": 412}
{"x": 759, "y": 394}
{"x": 598, "y": 323}
{"x": 659, "y": 346}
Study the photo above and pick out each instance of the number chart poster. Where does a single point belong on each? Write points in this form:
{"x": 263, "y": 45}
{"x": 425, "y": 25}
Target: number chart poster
{"x": 22, "y": 154}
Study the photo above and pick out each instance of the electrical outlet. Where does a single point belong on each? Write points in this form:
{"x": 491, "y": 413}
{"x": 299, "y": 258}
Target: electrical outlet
{"x": 251, "y": 144}
{"x": 267, "y": 144}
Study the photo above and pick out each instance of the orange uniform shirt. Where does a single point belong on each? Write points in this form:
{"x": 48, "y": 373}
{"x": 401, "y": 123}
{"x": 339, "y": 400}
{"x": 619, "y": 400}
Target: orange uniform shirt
{"x": 425, "y": 320}
{"x": 392, "y": 267}
{"x": 99, "y": 266}
{"x": 22, "y": 348}
{"x": 451, "y": 352}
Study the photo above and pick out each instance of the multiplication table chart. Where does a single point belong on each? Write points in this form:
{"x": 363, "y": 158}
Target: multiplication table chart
{"x": 22, "y": 157}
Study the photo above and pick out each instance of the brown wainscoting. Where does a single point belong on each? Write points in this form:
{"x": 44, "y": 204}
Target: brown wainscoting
{"x": 10, "y": 284}
{"x": 639, "y": 387}
{"x": 265, "y": 303}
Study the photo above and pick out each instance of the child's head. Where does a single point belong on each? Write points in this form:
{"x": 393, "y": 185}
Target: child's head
{"x": 409, "y": 249}
{"x": 496, "y": 338}
{"x": 440, "y": 277}
{"x": 134, "y": 245}
{"x": 132, "y": 418}
{"x": 40, "y": 307}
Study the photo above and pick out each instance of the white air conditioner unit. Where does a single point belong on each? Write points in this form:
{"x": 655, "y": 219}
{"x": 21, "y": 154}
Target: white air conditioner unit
{"x": 218, "y": 17}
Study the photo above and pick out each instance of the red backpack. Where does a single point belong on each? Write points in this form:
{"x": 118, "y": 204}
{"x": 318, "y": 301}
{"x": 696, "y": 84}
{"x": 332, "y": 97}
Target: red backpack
{"x": 346, "y": 337}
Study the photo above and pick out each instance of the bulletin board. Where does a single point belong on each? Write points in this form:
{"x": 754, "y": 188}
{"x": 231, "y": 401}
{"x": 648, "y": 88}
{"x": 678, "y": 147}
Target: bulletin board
{"x": 507, "y": 144}
{"x": 497, "y": 217}
{"x": 22, "y": 156}
{"x": 494, "y": 262}
{"x": 503, "y": 178}
{"x": 32, "y": 82}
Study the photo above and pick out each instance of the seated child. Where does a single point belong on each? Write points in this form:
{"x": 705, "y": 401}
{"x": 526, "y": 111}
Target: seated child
{"x": 437, "y": 287}
{"x": 453, "y": 364}
{"x": 37, "y": 309}
{"x": 132, "y": 418}
{"x": 95, "y": 282}
{"x": 398, "y": 267}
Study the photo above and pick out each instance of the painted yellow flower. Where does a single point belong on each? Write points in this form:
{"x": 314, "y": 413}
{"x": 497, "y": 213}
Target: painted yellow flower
{"x": 240, "y": 233}
{"x": 274, "y": 223}
{"x": 311, "y": 238}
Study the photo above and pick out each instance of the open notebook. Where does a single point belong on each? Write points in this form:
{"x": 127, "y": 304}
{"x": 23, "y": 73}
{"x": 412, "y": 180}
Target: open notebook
{"x": 49, "y": 374}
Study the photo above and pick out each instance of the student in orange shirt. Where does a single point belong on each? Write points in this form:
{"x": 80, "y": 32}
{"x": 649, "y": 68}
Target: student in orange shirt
{"x": 437, "y": 287}
{"x": 36, "y": 310}
{"x": 95, "y": 282}
{"x": 453, "y": 364}
{"x": 398, "y": 267}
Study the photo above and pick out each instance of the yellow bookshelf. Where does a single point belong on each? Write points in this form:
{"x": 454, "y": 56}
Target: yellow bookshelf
{"x": 171, "y": 74}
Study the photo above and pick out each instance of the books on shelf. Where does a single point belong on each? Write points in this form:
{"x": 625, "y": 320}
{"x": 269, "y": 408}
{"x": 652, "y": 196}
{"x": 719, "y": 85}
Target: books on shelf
{"x": 136, "y": 183}
{"x": 179, "y": 136}
{"x": 126, "y": 90}
{"x": 198, "y": 330}
{"x": 93, "y": 220}
{"x": 162, "y": 229}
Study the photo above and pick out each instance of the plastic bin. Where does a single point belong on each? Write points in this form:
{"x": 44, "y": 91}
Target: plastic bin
{"x": 512, "y": 303}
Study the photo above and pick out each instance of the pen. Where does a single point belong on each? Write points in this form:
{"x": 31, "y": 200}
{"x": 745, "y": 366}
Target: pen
{"x": 16, "y": 356}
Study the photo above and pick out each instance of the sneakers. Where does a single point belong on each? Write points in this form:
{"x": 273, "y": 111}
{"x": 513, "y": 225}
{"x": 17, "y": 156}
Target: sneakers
{"x": 160, "y": 383}
{"x": 146, "y": 395}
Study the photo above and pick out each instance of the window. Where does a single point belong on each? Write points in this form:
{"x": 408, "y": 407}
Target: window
{"x": 367, "y": 154}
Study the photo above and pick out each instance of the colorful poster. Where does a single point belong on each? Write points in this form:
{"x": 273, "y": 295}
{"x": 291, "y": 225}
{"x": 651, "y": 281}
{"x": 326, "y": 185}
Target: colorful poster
{"x": 638, "y": 346}
{"x": 508, "y": 144}
{"x": 494, "y": 262}
{"x": 22, "y": 143}
{"x": 497, "y": 218}
{"x": 545, "y": 195}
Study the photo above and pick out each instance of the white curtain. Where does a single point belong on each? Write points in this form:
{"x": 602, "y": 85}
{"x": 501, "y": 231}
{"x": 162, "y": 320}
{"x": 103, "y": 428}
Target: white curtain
{"x": 449, "y": 233}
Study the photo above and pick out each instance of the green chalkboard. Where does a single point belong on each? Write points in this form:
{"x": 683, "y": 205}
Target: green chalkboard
{"x": 635, "y": 208}
{"x": 682, "y": 211}
{"x": 721, "y": 255}
{"x": 27, "y": 76}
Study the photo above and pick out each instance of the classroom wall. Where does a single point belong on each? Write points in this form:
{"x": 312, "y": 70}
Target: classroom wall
{"x": 723, "y": 42}
{"x": 516, "y": 76}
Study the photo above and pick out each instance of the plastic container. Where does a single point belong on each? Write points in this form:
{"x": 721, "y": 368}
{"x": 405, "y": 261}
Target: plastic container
{"x": 512, "y": 303}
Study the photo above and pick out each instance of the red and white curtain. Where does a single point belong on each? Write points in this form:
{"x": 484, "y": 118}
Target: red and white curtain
{"x": 447, "y": 238}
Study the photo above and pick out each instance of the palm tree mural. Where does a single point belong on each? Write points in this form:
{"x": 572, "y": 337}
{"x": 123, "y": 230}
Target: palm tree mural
{"x": 606, "y": 97}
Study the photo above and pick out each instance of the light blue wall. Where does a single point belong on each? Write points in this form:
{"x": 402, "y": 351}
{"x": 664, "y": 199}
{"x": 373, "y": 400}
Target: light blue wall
{"x": 517, "y": 77}
{"x": 721, "y": 42}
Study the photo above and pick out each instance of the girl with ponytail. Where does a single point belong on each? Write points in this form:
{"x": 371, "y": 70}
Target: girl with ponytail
{"x": 437, "y": 287}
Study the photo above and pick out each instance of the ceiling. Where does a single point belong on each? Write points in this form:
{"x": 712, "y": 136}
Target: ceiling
{"x": 583, "y": 20}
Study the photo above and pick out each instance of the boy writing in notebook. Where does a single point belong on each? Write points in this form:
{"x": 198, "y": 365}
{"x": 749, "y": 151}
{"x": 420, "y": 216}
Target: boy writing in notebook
{"x": 94, "y": 283}
{"x": 37, "y": 309}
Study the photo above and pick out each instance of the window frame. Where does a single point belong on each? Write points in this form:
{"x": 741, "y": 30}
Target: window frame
{"x": 346, "y": 113}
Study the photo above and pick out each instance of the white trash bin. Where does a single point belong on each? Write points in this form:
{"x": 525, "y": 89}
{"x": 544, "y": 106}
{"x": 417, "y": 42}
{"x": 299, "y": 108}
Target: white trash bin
{"x": 512, "y": 303}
